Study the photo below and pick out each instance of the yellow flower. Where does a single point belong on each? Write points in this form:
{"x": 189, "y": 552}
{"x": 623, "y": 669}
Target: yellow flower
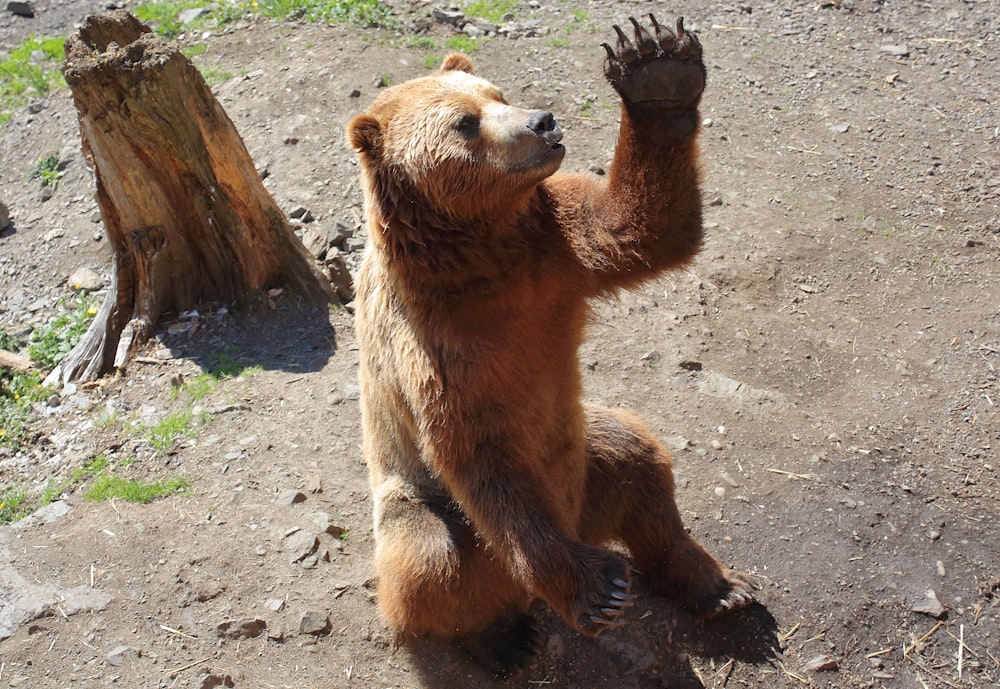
{"x": 92, "y": 311}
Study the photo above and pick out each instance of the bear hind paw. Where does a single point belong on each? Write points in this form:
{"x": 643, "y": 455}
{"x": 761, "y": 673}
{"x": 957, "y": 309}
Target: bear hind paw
{"x": 507, "y": 648}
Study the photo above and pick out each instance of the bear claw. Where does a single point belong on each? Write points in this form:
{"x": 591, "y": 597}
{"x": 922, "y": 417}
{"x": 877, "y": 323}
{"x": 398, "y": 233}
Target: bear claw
{"x": 663, "y": 68}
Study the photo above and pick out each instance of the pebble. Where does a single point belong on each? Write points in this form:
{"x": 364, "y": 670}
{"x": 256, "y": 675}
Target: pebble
{"x": 301, "y": 545}
{"x": 21, "y": 9}
{"x": 289, "y": 497}
{"x": 241, "y": 629}
{"x": 4, "y": 216}
{"x": 929, "y": 605}
{"x": 720, "y": 491}
{"x": 895, "y": 50}
{"x": 315, "y": 623}
{"x": 117, "y": 656}
{"x": 822, "y": 663}
{"x": 86, "y": 279}
{"x": 940, "y": 568}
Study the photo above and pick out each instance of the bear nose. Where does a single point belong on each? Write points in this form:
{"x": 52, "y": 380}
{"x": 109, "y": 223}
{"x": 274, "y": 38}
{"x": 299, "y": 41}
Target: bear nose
{"x": 543, "y": 123}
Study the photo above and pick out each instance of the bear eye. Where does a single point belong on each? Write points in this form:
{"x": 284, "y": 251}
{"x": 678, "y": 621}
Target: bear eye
{"x": 467, "y": 125}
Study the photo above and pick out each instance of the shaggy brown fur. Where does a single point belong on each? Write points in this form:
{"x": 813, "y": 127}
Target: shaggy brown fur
{"x": 493, "y": 484}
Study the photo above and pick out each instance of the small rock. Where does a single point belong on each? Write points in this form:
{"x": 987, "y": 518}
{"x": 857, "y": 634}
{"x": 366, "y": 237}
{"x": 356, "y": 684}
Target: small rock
{"x": 241, "y": 629}
{"x": 652, "y": 357}
{"x": 21, "y": 9}
{"x": 352, "y": 392}
{"x": 4, "y": 216}
{"x": 822, "y": 663}
{"x": 301, "y": 545}
{"x": 452, "y": 17}
{"x": 940, "y": 568}
{"x": 289, "y": 497}
{"x": 841, "y": 128}
{"x": 189, "y": 15}
{"x": 84, "y": 278}
{"x": 116, "y": 656}
{"x": 691, "y": 365}
{"x": 324, "y": 524}
{"x": 315, "y": 623}
{"x": 929, "y": 605}
{"x": 720, "y": 491}
{"x": 895, "y": 50}
{"x": 275, "y": 604}
{"x": 216, "y": 680}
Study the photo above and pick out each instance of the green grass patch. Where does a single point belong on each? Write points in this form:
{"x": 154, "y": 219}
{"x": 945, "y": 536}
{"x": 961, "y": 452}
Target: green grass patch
{"x": 109, "y": 486}
{"x": 18, "y": 389}
{"x": 462, "y": 43}
{"x": 422, "y": 43}
{"x": 13, "y": 504}
{"x": 164, "y": 433}
{"x": 163, "y": 17}
{"x": 53, "y": 341}
{"x": 492, "y": 10}
{"x": 30, "y": 69}
{"x": 214, "y": 75}
{"x": 366, "y": 13}
{"x": 54, "y": 489}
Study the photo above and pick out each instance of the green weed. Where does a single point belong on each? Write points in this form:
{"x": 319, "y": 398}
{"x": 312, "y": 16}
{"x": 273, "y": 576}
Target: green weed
{"x": 53, "y": 341}
{"x": 494, "y": 11}
{"x": 421, "y": 43}
{"x": 109, "y": 486}
{"x": 54, "y": 489}
{"x": 432, "y": 62}
{"x": 163, "y": 16}
{"x": 368, "y": 13}
{"x": 462, "y": 43}
{"x": 559, "y": 43}
{"x": 47, "y": 170}
{"x": 13, "y": 503}
{"x": 164, "y": 433}
{"x": 30, "y": 69}
{"x": 214, "y": 75}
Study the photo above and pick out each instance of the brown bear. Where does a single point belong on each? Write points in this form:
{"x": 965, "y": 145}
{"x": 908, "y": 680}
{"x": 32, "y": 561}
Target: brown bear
{"x": 493, "y": 484}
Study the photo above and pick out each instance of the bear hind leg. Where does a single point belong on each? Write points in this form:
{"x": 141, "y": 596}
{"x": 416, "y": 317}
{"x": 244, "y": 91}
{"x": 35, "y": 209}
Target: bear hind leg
{"x": 630, "y": 497}
{"x": 436, "y": 579}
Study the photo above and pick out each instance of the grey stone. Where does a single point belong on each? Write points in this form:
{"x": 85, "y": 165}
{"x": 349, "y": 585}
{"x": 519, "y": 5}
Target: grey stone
{"x": 83, "y": 278}
{"x": 822, "y": 663}
{"x": 929, "y": 605}
{"x": 241, "y": 629}
{"x": 4, "y": 215}
{"x": 21, "y": 9}
{"x": 290, "y": 497}
{"x": 301, "y": 545}
{"x": 315, "y": 623}
{"x": 117, "y": 656}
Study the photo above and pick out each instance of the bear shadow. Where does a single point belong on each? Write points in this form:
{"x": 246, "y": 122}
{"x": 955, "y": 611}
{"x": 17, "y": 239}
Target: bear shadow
{"x": 651, "y": 652}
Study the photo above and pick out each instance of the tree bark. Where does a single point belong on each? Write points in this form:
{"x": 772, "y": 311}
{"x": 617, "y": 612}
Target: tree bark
{"x": 186, "y": 214}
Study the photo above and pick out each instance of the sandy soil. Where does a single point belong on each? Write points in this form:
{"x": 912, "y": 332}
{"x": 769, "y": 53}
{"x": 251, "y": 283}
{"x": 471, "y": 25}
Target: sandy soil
{"x": 826, "y": 373}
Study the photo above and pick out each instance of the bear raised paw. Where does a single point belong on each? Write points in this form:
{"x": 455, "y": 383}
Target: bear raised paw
{"x": 494, "y": 485}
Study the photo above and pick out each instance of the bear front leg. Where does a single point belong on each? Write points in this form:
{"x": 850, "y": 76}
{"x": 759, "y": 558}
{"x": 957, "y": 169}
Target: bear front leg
{"x": 509, "y": 507}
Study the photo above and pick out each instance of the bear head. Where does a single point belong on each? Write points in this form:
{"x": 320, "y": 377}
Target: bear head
{"x": 452, "y": 145}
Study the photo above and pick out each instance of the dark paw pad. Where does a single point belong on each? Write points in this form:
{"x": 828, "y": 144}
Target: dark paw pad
{"x": 656, "y": 66}
{"x": 507, "y": 648}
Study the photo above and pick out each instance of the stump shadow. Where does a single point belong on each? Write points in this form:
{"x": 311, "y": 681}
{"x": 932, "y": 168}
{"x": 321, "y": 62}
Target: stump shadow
{"x": 287, "y": 334}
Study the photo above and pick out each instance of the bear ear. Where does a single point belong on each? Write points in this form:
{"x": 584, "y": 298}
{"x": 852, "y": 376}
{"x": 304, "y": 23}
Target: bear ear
{"x": 456, "y": 62}
{"x": 364, "y": 133}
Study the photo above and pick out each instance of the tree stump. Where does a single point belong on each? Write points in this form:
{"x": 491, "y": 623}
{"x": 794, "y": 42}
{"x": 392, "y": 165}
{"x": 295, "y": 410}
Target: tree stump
{"x": 187, "y": 216}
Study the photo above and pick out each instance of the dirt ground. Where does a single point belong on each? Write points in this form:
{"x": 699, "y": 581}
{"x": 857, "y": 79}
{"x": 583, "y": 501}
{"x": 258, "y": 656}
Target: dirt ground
{"x": 825, "y": 374}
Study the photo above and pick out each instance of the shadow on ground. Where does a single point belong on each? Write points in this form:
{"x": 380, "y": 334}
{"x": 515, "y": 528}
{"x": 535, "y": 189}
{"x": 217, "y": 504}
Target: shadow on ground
{"x": 649, "y": 653}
